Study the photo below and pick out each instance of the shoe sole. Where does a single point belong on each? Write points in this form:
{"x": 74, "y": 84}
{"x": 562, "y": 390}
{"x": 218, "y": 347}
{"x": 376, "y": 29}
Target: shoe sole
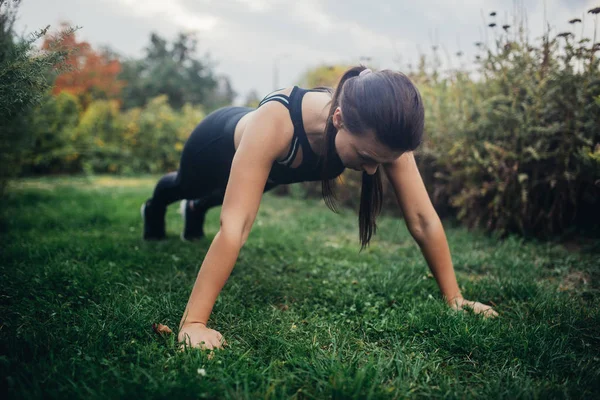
{"x": 183, "y": 211}
{"x": 142, "y": 209}
{"x": 142, "y": 212}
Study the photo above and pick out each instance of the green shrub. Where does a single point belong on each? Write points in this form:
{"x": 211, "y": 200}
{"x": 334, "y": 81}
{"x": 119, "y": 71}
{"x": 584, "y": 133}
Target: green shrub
{"x": 25, "y": 77}
{"x": 522, "y": 155}
{"x": 98, "y": 138}
{"x": 157, "y": 134}
{"x": 102, "y": 139}
{"x": 52, "y": 127}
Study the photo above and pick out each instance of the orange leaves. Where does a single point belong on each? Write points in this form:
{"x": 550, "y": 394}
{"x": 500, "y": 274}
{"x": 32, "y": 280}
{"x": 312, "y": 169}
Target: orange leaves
{"x": 91, "y": 74}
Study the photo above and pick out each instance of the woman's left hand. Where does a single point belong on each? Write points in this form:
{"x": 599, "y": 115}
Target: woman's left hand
{"x": 461, "y": 304}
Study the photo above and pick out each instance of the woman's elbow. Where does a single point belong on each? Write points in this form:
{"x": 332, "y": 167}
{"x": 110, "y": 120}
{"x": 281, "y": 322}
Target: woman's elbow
{"x": 235, "y": 232}
{"x": 422, "y": 227}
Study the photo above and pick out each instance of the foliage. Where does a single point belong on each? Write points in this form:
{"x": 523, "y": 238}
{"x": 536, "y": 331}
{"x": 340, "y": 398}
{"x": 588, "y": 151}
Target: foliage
{"x": 53, "y": 128}
{"x": 25, "y": 77}
{"x": 323, "y": 75}
{"x": 91, "y": 76}
{"x": 176, "y": 71}
{"x": 104, "y": 139}
{"x": 157, "y": 134}
{"x": 518, "y": 151}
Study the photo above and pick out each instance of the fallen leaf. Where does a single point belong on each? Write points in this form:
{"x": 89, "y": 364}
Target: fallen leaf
{"x": 160, "y": 329}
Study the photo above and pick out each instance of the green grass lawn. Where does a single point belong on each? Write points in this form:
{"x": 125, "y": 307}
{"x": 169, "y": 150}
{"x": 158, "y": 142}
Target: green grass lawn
{"x": 305, "y": 314}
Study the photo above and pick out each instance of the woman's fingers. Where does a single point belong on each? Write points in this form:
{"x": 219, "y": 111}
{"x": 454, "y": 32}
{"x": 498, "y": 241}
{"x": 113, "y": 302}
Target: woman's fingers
{"x": 488, "y": 312}
{"x": 216, "y": 342}
{"x": 480, "y": 308}
{"x": 198, "y": 336}
{"x": 222, "y": 341}
{"x": 210, "y": 345}
{"x": 476, "y": 307}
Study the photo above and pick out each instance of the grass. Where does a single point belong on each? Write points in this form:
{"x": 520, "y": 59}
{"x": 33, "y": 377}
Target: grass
{"x": 305, "y": 314}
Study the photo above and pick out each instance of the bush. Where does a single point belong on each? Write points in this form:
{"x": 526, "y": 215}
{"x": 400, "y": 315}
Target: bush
{"x": 25, "y": 78}
{"x": 53, "y": 126}
{"x": 102, "y": 139}
{"x": 523, "y": 154}
{"x": 157, "y": 134}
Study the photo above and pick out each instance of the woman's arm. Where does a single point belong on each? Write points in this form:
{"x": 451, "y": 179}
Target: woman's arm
{"x": 426, "y": 228}
{"x": 266, "y": 138}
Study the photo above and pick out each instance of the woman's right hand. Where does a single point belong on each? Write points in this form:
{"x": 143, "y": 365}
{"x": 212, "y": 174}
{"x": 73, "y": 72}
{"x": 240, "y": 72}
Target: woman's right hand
{"x": 199, "y": 335}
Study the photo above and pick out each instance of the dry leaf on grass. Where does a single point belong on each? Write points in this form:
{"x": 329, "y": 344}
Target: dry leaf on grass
{"x": 161, "y": 329}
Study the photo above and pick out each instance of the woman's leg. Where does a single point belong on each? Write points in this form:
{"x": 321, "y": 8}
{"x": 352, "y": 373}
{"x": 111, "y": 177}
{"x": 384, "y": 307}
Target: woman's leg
{"x": 194, "y": 212}
{"x": 203, "y": 169}
{"x": 167, "y": 190}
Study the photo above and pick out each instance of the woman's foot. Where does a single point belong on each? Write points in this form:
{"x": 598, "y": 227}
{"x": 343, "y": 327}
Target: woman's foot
{"x": 193, "y": 221}
{"x": 154, "y": 222}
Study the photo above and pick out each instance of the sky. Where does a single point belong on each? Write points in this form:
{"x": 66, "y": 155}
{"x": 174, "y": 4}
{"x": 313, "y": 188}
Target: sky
{"x": 251, "y": 39}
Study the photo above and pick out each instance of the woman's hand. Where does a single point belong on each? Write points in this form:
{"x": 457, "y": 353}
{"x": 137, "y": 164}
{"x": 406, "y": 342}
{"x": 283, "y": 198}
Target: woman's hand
{"x": 199, "y": 335}
{"x": 460, "y": 304}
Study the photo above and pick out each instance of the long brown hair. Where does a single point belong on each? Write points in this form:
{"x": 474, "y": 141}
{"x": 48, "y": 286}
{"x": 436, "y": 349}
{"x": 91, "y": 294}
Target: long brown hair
{"x": 388, "y": 103}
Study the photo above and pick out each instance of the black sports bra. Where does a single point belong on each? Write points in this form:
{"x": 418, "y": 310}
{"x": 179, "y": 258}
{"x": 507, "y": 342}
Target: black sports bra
{"x": 311, "y": 168}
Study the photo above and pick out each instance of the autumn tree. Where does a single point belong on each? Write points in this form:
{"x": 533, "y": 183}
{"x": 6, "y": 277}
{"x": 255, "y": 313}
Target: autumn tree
{"x": 92, "y": 74}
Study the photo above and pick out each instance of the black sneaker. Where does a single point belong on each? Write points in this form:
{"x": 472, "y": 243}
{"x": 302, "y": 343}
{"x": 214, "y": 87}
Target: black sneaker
{"x": 193, "y": 221}
{"x": 154, "y": 222}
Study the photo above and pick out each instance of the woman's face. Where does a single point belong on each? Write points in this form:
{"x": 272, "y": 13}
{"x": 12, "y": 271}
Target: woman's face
{"x": 360, "y": 151}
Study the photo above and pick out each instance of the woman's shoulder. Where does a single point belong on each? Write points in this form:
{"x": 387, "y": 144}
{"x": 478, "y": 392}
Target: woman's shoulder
{"x": 287, "y": 91}
{"x": 314, "y": 104}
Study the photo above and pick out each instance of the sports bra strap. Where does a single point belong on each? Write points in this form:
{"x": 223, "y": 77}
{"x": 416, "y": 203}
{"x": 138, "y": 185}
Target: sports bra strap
{"x": 280, "y": 98}
{"x": 285, "y": 100}
{"x": 291, "y": 155}
{"x": 293, "y": 103}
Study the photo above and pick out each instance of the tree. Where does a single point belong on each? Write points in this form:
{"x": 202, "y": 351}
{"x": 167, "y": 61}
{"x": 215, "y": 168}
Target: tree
{"x": 92, "y": 74}
{"x": 222, "y": 95}
{"x": 176, "y": 71}
{"x": 7, "y": 19}
{"x": 252, "y": 99}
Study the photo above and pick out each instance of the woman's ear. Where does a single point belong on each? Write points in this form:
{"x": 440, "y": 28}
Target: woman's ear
{"x": 337, "y": 118}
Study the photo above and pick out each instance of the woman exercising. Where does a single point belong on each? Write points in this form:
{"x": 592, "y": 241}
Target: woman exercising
{"x": 294, "y": 135}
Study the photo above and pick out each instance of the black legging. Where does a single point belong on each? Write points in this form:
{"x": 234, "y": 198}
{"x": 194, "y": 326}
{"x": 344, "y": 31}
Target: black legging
{"x": 205, "y": 163}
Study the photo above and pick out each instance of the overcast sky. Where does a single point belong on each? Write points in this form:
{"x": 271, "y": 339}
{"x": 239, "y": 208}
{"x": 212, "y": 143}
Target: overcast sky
{"x": 245, "y": 37}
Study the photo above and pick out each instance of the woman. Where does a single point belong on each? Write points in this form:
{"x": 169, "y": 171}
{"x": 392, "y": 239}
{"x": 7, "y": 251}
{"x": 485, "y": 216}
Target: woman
{"x": 374, "y": 119}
